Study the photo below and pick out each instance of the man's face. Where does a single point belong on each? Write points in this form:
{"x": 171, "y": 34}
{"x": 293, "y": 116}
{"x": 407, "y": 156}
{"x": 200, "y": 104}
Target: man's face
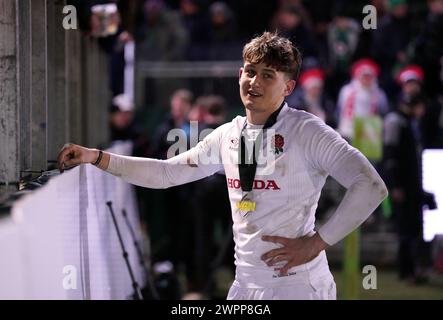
{"x": 411, "y": 87}
{"x": 288, "y": 20}
{"x": 367, "y": 80}
{"x": 263, "y": 87}
{"x": 179, "y": 108}
{"x": 121, "y": 119}
{"x": 314, "y": 91}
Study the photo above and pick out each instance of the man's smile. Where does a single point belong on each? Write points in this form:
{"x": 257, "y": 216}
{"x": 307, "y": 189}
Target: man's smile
{"x": 252, "y": 93}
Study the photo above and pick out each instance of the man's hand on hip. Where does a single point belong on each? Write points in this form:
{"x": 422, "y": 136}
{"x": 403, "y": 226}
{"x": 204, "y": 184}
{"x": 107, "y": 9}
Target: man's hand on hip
{"x": 294, "y": 251}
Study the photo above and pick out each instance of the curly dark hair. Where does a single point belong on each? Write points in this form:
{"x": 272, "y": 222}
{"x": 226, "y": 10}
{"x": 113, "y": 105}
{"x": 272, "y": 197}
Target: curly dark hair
{"x": 275, "y": 51}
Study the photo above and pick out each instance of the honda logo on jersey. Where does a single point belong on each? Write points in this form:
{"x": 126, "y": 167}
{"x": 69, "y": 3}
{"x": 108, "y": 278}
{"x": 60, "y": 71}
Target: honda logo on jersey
{"x": 258, "y": 184}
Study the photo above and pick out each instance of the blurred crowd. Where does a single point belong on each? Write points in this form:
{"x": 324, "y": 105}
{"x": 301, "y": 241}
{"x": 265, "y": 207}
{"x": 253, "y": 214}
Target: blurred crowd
{"x": 381, "y": 89}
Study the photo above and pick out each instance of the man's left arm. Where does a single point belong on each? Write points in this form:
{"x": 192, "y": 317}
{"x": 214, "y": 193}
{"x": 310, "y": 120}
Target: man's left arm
{"x": 365, "y": 188}
{"x": 328, "y": 152}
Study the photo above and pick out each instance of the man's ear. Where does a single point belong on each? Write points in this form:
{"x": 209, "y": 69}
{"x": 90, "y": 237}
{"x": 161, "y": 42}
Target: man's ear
{"x": 240, "y": 72}
{"x": 290, "y": 85}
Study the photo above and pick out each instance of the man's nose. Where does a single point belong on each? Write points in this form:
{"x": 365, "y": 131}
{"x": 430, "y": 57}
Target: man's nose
{"x": 254, "y": 81}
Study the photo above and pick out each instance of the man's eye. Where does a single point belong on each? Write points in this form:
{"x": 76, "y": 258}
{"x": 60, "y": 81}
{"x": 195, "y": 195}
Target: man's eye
{"x": 267, "y": 76}
{"x": 250, "y": 73}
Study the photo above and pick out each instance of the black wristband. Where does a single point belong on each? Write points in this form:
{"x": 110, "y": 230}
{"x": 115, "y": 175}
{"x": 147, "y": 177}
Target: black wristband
{"x": 100, "y": 156}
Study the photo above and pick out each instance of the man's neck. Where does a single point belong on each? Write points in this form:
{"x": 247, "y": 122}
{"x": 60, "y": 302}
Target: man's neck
{"x": 259, "y": 118}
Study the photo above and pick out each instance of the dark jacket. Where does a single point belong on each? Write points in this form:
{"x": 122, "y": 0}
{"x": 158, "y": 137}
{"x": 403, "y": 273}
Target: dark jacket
{"x": 402, "y": 170}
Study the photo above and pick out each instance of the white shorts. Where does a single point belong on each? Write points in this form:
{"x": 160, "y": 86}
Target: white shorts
{"x": 322, "y": 289}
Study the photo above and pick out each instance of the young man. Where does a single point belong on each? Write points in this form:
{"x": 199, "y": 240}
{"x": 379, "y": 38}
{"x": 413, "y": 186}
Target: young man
{"x": 278, "y": 254}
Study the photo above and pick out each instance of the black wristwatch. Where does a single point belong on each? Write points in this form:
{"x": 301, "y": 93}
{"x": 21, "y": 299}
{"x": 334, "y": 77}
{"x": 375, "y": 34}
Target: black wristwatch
{"x": 100, "y": 156}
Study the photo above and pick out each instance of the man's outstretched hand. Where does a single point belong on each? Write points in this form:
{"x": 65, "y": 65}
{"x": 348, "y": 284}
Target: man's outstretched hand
{"x": 72, "y": 155}
{"x": 294, "y": 251}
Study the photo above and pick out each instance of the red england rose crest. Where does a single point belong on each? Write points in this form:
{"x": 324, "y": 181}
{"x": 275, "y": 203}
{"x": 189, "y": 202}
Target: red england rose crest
{"x": 278, "y": 142}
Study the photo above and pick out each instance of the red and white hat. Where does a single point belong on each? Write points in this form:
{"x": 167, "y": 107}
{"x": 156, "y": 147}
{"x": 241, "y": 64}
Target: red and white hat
{"x": 411, "y": 72}
{"x": 311, "y": 78}
{"x": 364, "y": 66}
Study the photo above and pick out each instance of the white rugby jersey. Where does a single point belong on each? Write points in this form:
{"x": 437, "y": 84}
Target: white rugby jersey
{"x": 300, "y": 152}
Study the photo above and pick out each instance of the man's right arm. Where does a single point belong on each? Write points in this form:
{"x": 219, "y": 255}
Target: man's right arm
{"x": 189, "y": 166}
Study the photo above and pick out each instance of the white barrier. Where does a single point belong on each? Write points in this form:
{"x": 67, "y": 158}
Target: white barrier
{"x": 60, "y": 241}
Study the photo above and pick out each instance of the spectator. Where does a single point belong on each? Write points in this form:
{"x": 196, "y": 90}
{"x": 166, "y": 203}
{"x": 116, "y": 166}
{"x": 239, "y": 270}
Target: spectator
{"x": 366, "y": 36}
{"x": 362, "y": 97}
{"x": 171, "y": 215}
{"x": 312, "y": 98}
{"x": 411, "y": 80}
{"x": 224, "y": 41}
{"x": 197, "y": 24}
{"x": 402, "y": 167}
{"x": 390, "y": 42}
{"x": 210, "y": 196}
{"x": 180, "y": 107}
{"x": 429, "y": 48}
{"x": 124, "y": 128}
{"x": 343, "y": 35}
{"x": 288, "y": 21}
{"x": 122, "y": 116}
{"x": 160, "y": 35}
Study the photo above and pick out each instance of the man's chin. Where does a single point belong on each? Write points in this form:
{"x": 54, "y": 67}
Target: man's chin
{"x": 251, "y": 106}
